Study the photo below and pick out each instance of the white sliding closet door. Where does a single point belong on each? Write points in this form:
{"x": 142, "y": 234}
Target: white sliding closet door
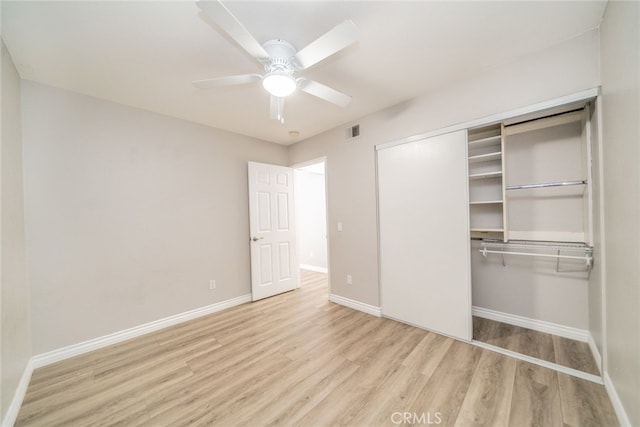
{"x": 424, "y": 234}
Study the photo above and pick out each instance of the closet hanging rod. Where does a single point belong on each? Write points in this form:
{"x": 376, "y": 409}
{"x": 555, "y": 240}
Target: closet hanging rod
{"x": 537, "y": 245}
{"x": 546, "y": 185}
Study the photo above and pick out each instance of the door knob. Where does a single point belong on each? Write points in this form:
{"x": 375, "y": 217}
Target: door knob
{"x": 255, "y": 239}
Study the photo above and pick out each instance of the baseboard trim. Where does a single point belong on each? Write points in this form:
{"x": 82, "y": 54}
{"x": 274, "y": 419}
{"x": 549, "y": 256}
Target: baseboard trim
{"x": 356, "y": 305}
{"x": 618, "y": 407}
{"x": 18, "y": 397}
{"x": 116, "y": 337}
{"x": 324, "y": 270}
{"x": 594, "y": 351}
{"x": 536, "y": 325}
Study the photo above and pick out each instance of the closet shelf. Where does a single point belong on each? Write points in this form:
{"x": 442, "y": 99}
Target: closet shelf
{"x": 485, "y": 175}
{"x": 485, "y": 157}
{"x": 485, "y": 142}
{"x": 487, "y": 202}
{"x": 554, "y": 250}
{"x": 488, "y": 229}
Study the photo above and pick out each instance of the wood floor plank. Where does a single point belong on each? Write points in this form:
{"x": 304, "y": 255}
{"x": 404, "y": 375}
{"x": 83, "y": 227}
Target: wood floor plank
{"x": 488, "y": 399}
{"x": 319, "y": 335}
{"x": 396, "y": 394}
{"x": 158, "y": 356}
{"x": 80, "y": 379}
{"x": 584, "y": 403}
{"x": 574, "y": 354}
{"x": 347, "y": 395}
{"x": 192, "y": 404}
{"x": 429, "y": 353}
{"x": 445, "y": 391}
{"x": 69, "y": 367}
{"x": 504, "y": 335}
{"x": 303, "y": 374}
{"x": 483, "y": 329}
{"x": 390, "y": 353}
{"x": 536, "y": 344}
{"x": 234, "y": 399}
{"x": 97, "y": 402}
{"x": 289, "y": 413}
{"x": 129, "y": 416}
{"x": 92, "y": 393}
{"x": 383, "y": 328}
{"x": 298, "y": 359}
{"x": 267, "y": 340}
{"x": 342, "y": 404}
{"x": 536, "y": 397}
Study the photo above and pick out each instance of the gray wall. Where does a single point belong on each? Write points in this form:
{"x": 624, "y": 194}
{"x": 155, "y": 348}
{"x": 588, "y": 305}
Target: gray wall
{"x": 14, "y": 295}
{"x": 621, "y": 135}
{"x": 129, "y": 214}
{"x": 557, "y": 71}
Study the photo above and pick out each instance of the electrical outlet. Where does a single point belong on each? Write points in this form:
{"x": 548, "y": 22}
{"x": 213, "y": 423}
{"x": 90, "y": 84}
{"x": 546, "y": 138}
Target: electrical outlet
{"x": 349, "y": 280}
{"x": 212, "y": 284}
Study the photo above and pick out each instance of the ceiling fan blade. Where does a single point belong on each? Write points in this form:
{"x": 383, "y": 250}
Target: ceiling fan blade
{"x": 226, "y": 81}
{"x": 324, "y": 92}
{"x": 276, "y": 110}
{"x": 336, "y": 39}
{"x": 220, "y": 15}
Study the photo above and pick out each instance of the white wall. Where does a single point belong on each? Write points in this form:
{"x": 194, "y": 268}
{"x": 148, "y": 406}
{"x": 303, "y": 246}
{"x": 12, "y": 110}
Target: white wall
{"x": 564, "y": 69}
{"x": 621, "y": 137}
{"x": 129, "y": 214}
{"x": 311, "y": 219}
{"x": 14, "y": 295}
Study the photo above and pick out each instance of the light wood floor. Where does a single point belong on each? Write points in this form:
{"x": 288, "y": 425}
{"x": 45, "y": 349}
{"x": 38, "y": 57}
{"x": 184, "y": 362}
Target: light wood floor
{"x": 297, "y": 359}
{"x": 552, "y": 348}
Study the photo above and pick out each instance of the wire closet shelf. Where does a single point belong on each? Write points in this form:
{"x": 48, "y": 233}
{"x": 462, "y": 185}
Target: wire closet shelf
{"x": 554, "y": 250}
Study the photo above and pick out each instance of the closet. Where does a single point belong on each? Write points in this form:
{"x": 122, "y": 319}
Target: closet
{"x": 520, "y": 252}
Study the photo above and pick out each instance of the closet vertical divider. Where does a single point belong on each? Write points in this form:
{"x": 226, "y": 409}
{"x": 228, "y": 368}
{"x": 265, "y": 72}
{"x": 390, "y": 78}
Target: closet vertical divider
{"x": 505, "y": 217}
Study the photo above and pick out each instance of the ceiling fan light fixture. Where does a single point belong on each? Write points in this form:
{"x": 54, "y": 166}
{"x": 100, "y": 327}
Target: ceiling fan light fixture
{"x": 279, "y": 84}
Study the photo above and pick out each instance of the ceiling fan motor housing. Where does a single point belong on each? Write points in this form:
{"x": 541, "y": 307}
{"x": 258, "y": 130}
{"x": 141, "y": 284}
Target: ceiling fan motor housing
{"x": 281, "y": 54}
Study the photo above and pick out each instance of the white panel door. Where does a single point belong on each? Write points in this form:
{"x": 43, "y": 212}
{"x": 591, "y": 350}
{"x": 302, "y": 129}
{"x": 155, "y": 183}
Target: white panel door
{"x": 424, "y": 234}
{"x": 274, "y": 264}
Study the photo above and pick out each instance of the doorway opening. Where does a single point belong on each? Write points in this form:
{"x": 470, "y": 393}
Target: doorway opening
{"x": 311, "y": 218}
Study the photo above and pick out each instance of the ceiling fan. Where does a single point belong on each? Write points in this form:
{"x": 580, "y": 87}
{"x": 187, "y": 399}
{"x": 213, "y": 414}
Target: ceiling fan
{"x": 280, "y": 59}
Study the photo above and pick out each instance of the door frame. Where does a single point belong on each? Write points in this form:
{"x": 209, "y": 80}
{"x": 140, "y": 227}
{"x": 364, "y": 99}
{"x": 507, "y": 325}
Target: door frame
{"x": 299, "y": 165}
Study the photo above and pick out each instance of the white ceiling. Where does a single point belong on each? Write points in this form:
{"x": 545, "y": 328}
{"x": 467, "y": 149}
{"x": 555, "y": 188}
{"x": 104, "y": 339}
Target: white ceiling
{"x": 146, "y": 53}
